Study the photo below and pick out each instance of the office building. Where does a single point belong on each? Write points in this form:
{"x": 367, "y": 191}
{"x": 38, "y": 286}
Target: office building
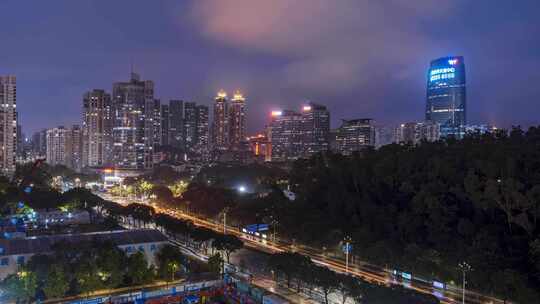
{"x": 285, "y": 135}
{"x": 416, "y": 132}
{"x": 97, "y": 129}
{"x": 237, "y": 119}
{"x": 355, "y": 135}
{"x": 133, "y": 139}
{"x": 446, "y": 95}
{"x": 220, "y": 124}
{"x": 176, "y": 124}
{"x": 8, "y": 124}
{"x": 481, "y": 129}
{"x": 315, "y": 129}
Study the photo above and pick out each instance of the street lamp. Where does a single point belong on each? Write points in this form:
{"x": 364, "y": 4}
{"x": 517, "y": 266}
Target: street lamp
{"x": 464, "y": 268}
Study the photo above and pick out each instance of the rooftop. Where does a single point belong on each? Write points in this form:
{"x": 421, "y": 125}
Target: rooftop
{"x": 41, "y": 244}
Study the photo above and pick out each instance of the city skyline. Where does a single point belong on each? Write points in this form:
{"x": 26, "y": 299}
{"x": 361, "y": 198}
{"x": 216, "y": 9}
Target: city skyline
{"x": 233, "y": 56}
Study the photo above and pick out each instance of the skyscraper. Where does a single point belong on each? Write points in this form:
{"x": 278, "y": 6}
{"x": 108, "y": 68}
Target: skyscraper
{"x": 133, "y": 129}
{"x": 176, "y": 124}
{"x": 355, "y": 135}
{"x": 75, "y": 148}
{"x": 164, "y": 124}
{"x": 97, "y": 129}
{"x": 237, "y": 119}
{"x": 446, "y": 95}
{"x": 57, "y": 146}
{"x": 156, "y": 123}
{"x": 220, "y": 124}
{"x": 201, "y": 145}
{"x": 285, "y": 135}
{"x": 315, "y": 128}
{"x": 8, "y": 123}
{"x": 190, "y": 125}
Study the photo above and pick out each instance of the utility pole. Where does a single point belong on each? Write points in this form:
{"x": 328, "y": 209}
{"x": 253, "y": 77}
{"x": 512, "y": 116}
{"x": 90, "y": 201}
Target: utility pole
{"x": 347, "y": 248}
{"x": 225, "y": 219}
{"x": 464, "y": 268}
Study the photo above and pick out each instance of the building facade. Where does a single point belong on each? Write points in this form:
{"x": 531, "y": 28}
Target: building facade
{"x": 8, "y": 124}
{"x": 57, "y": 146}
{"x": 202, "y": 134}
{"x": 220, "y": 123}
{"x": 176, "y": 123}
{"x": 285, "y": 135}
{"x": 164, "y": 124}
{"x": 97, "y": 129}
{"x": 132, "y": 127}
{"x": 416, "y": 132}
{"x": 315, "y": 129}
{"x": 355, "y": 135}
{"x": 237, "y": 119}
{"x": 75, "y": 148}
{"x": 16, "y": 252}
{"x": 446, "y": 95}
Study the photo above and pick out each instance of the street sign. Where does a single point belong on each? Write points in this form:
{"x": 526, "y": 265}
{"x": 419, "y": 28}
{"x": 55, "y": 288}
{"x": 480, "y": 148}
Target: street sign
{"x": 347, "y": 248}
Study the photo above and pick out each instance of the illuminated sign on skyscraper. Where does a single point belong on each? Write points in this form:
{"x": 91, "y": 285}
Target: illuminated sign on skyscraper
{"x": 446, "y": 95}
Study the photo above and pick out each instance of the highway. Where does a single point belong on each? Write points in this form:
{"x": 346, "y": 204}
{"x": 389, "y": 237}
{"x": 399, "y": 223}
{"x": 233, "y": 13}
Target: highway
{"x": 366, "y": 271}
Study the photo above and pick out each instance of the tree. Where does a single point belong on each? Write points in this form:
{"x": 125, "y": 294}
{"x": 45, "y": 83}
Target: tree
{"x": 326, "y": 279}
{"x": 87, "y": 277}
{"x": 20, "y": 286}
{"x": 348, "y": 287}
{"x": 170, "y": 260}
{"x": 57, "y": 284}
{"x": 215, "y": 263}
{"x": 138, "y": 272}
{"x": 228, "y": 243}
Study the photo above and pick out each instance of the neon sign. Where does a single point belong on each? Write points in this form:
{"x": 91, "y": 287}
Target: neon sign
{"x": 452, "y": 61}
{"x": 442, "y": 73}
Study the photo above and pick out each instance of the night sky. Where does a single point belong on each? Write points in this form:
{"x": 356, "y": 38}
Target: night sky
{"x": 360, "y": 58}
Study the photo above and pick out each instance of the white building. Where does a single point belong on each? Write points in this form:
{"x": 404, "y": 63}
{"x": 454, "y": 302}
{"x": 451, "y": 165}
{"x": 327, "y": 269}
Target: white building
{"x": 16, "y": 252}
{"x": 8, "y": 124}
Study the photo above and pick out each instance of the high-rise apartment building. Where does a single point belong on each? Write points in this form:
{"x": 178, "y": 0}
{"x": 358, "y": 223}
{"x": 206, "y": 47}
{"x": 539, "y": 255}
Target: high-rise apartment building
{"x": 220, "y": 124}
{"x": 355, "y": 135}
{"x": 190, "y": 125}
{"x": 75, "y": 148}
{"x": 176, "y": 123}
{"x": 57, "y": 146}
{"x": 133, "y": 140}
{"x": 97, "y": 129}
{"x": 237, "y": 119}
{"x": 416, "y": 132}
{"x": 446, "y": 95}
{"x": 8, "y": 124}
{"x": 315, "y": 129}
{"x": 156, "y": 123}
{"x": 164, "y": 125}
{"x": 202, "y": 129}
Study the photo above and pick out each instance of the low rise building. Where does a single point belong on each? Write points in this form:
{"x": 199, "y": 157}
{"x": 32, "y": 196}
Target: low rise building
{"x": 16, "y": 252}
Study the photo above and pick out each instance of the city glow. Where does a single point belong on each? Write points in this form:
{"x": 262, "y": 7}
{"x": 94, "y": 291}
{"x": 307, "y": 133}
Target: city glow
{"x": 277, "y": 113}
{"x": 306, "y": 108}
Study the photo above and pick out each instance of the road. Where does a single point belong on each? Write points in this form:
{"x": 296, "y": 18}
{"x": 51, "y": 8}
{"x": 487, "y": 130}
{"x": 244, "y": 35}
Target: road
{"x": 366, "y": 271}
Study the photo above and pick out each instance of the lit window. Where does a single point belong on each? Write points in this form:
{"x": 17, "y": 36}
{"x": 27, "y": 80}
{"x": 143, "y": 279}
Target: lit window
{"x": 4, "y": 262}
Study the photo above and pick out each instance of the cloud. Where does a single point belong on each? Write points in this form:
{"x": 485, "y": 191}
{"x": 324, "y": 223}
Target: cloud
{"x": 329, "y": 46}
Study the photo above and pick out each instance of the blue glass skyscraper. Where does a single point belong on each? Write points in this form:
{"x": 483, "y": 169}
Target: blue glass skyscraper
{"x": 446, "y": 97}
